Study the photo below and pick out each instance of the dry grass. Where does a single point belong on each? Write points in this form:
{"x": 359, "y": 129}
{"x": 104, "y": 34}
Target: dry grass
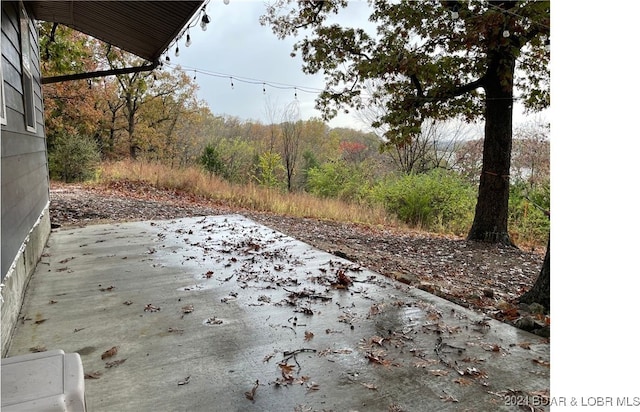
{"x": 250, "y": 196}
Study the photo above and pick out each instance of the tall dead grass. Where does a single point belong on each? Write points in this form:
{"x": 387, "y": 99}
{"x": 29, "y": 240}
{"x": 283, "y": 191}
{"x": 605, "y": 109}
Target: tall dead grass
{"x": 248, "y": 196}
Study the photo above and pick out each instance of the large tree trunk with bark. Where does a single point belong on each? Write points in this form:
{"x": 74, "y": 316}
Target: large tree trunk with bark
{"x": 541, "y": 290}
{"x": 492, "y": 208}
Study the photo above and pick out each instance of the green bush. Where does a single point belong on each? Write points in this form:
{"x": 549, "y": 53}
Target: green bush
{"x": 212, "y": 161}
{"x": 74, "y": 158}
{"x": 270, "y": 170}
{"x": 438, "y": 201}
{"x": 528, "y": 222}
{"x": 337, "y": 179}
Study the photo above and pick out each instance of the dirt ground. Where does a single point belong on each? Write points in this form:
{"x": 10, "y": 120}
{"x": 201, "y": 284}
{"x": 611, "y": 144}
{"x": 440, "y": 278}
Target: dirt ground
{"x": 483, "y": 277}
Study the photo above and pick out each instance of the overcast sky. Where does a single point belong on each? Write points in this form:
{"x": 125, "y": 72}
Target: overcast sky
{"x": 235, "y": 47}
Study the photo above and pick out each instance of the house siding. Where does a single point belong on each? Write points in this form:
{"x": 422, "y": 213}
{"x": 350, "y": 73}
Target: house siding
{"x": 24, "y": 160}
{"x": 24, "y": 170}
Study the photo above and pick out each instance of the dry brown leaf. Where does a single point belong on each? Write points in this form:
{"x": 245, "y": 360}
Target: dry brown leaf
{"x": 184, "y": 381}
{"x": 213, "y": 321}
{"x": 308, "y": 336}
{"x": 252, "y": 393}
{"x": 150, "y": 308}
{"x": 187, "y": 308}
{"x": 463, "y": 381}
{"x": 541, "y": 362}
{"x": 93, "y": 375}
{"x": 36, "y": 349}
{"x": 53, "y": 301}
{"x": 110, "y": 352}
{"x": 312, "y": 386}
{"x": 208, "y": 274}
{"x": 439, "y": 372}
{"x": 371, "y": 386}
{"x": 127, "y": 302}
{"x": 107, "y": 289}
{"x": 268, "y": 357}
{"x": 114, "y": 363}
{"x": 39, "y": 321}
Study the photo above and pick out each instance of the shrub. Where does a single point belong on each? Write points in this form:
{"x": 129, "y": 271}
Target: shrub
{"x": 528, "y": 223}
{"x": 74, "y": 158}
{"x": 437, "y": 201}
{"x": 212, "y": 161}
{"x": 337, "y": 179}
{"x": 270, "y": 170}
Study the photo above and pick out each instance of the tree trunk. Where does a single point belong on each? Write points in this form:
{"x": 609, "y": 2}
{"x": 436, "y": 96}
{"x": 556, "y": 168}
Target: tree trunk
{"x": 492, "y": 208}
{"x": 541, "y": 290}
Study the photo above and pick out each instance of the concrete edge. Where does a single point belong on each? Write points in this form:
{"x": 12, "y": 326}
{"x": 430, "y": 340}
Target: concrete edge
{"x": 17, "y": 278}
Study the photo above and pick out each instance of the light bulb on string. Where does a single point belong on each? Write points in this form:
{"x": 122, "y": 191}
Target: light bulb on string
{"x": 231, "y": 83}
{"x": 264, "y": 89}
{"x": 177, "y": 51}
{"x": 295, "y": 93}
{"x": 188, "y": 42}
{"x": 195, "y": 73}
{"x": 225, "y": 1}
{"x": 205, "y": 20}
{"x": 167, "y": 58}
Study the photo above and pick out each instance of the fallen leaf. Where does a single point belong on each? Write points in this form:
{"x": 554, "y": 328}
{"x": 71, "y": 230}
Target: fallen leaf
{"x": 301, "y": 380}
{"x": 93, "y": 375}
{"x": 208, "y": 274}
{"x": 268, "y": 357}
{"x": 150, "y": 308}
{"x": 127, "y": 302}
{"x": 213, "y": 321}
{"x": 53, "y": 301}
{"x": 439, "y": 372}
{"x": 114, "y": 363}
{"x": 448, "y": 398}
{"x": 108, "y": 289}
{"x": 371, "y": 386}
{"x": 172, "y": 330}
{"x": 184, "y": 381}
{"x": 312, "y": 386}
{"x": 110, "y": 352}
{"x": 541, "y": 362}
{"x": 39, "y": 321}
{"x": 308, "y": 336}
{"x": 252, "y": 393}
{"x": 463, "y": 381}
{"x": 36, "y": 349}
{"x": 187, "y": 308}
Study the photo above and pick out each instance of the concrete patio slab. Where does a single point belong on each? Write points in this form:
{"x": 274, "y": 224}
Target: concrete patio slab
{"x": 219, "y": 313}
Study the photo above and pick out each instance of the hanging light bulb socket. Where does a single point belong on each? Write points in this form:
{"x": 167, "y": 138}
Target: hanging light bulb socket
{"x": 177, "y": 51}
{"x": 188, "y": 42}
{"x": 205, "y": 20}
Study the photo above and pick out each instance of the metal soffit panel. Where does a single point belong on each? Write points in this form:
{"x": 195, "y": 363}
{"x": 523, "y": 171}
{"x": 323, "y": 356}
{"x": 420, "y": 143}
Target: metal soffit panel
{"x": 145, "y": 28}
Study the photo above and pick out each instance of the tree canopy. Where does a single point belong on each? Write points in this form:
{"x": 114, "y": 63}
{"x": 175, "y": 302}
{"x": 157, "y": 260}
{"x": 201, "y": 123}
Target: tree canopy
{"x": 431, "y": 60}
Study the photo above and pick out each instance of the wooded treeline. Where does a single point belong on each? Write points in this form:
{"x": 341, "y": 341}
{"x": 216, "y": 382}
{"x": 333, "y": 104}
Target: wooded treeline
{"x": 156, "y": 116}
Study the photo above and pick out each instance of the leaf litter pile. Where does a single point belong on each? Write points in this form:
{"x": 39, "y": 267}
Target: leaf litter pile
{"x": 480, "y": 277}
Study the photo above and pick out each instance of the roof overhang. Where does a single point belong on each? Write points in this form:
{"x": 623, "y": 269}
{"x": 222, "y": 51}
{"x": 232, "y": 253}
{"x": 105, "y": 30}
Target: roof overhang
{"x": 144, "y": 28}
